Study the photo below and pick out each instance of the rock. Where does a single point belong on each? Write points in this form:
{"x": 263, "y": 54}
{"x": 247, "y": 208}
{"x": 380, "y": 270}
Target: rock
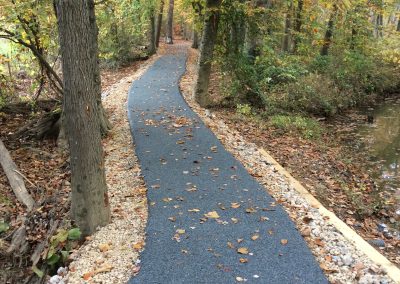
{"x": 378, "y": 243}
{"x": 382, "y": 227}
{"x": 56, "y": 279}
{"x": 347, "y": 260}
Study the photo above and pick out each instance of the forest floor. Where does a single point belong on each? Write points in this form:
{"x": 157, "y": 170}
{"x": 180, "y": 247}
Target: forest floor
{"x": 329, "y": 167}
{"x": 47, "y": 174}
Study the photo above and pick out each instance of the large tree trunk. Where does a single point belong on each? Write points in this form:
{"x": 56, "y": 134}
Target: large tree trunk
{"x": 170, "y": 20}
{"x": 297, "y": 25}
{"x": 210, "y": 31}
{"x": 159, "y": 23}
{"x": 89, "y": 202}
{"x": 329, "y": 33}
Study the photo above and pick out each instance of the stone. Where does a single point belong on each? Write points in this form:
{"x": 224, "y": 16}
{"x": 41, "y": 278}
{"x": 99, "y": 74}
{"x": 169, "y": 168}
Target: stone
{"x": 377, "y": 242}
{"x": 347, "y": 260}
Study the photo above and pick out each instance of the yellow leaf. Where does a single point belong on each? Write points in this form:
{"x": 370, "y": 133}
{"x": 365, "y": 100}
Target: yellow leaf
{"x": 212, "y": 214}
{"x": 243, "y": 250}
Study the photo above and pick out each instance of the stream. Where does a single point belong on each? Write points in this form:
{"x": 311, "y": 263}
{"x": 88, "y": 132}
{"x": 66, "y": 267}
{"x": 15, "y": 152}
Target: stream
{"x": 381, "y": 138}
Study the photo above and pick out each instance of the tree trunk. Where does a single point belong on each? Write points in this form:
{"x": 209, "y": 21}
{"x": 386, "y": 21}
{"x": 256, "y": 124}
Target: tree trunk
{"x": 152, "y": 41}
{"x": 398, "y": 25}
{"x": 288, "y": 29}
{"x": 297, "y": 25}
{"x": 159, "y": 23}
{"x": 329, "y": 33}
{"x": 252, "y": 35}
{"x": 195, "y": 43}
{"x": 170, "y": 20}
{"x": 206, "y": 52}
{"x": 89, "y": 202}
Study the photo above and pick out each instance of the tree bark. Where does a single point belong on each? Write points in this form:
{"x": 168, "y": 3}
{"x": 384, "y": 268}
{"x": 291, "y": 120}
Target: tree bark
{"x": 152, "y": 34}
{"x": 252, "y": 34}
{"x": 195, "y": 43}
{"x": 398, "y": 25}
{"x": 209, "y": 38}
{"x": 159, "y": 23}
{"x": 82, "y": 109}
{"x": 329, "y": 33}
{"x": 15, "y": 179}
{"x": 288, "y": 29}
{"x": 170, "y": 20}
{"x": 297, "y": 25}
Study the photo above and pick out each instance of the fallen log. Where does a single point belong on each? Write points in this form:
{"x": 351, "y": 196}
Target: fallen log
{"x": 15, "y": 179}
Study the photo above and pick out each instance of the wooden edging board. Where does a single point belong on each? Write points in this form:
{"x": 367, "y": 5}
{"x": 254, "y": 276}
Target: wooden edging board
{"x": 392, "y": 270}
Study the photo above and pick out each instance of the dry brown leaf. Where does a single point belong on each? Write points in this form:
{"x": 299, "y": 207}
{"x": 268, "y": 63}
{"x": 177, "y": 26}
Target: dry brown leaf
{"x": 212, "y": 214}
{"x": 194, "y": 210}
{"x": 138, "y": 246}
{"x": 235, "y": 205}
{"x": 180, "y": 231}
{"x": 284, "y": 242}
{"x": 243, "y": 250}
{"x": 255, "y": 237}
{"x": 104, "y": 247}
{"x": 243, "y": 260}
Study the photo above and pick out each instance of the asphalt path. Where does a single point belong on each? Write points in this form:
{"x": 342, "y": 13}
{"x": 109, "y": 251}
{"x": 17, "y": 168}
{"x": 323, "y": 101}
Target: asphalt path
{"x": 209, "y": 220}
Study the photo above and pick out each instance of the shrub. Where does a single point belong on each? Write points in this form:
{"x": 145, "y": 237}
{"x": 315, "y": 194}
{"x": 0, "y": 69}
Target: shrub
{"x": 308, "y": 128}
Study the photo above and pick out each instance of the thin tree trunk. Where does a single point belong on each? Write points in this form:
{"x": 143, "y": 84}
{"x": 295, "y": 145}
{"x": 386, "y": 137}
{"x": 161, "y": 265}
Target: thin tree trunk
{"x": 152, "y": 31}
{"x": 159, "y": 23}
{"x": 297, "y": 25}
{"x": 170, "y": 20}
{"x": 209, "y": 38}
{"x": 398, "y": 25}
{"x": 195, "y": 43}
{"x": 89, "y": 201}
{"x": 288, "y": 28}
{"x": 329, "y": 33}
{"x": 252, "y": 34}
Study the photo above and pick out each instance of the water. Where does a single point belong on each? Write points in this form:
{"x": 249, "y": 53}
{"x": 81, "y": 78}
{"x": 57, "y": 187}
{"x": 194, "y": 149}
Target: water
{"x": 382, "y": 139}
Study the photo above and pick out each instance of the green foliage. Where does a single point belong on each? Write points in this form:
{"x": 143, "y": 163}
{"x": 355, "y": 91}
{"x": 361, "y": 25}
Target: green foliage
{"x": 60, "y": 246}
{"x": 244, "y": 109}
{"x": 308, "y": 128}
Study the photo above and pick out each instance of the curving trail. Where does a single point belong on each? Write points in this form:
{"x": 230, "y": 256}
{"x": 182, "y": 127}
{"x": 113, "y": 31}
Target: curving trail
{"x": 189, "y": 175}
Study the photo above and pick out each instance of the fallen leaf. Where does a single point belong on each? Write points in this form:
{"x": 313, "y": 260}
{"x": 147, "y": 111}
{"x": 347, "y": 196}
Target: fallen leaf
{"x": 212, "y": 214}
{"x": 172, "y": 219}
{"x": 243, "y": 250}
{"x": 230, "y": 245}
{"x": 180, "y": 231}
{"x": 284, "y": 242}
{"x": 255, "y": 237}
{"x": 194, "y": 210}
{"x": 104, "y": 247}
{"x": 235, "y": 205}
{"x": 251, "y": 210}
{"x": 243, "y": 260}
{"x": 234, "y": 220}
{"x": 138, "y": 246}
{"x": 88, "y": 275}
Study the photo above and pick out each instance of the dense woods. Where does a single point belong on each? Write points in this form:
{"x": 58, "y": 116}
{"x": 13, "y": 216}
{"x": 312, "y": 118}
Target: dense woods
{"x": 290, "y": 63}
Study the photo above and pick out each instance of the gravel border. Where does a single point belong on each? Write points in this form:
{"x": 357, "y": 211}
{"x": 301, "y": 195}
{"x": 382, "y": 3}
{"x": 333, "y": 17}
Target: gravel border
{"x": 340, "y": 260}
{"x": 111, "y": 254}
